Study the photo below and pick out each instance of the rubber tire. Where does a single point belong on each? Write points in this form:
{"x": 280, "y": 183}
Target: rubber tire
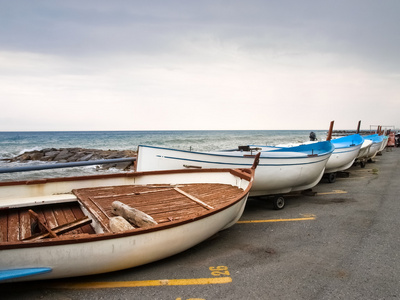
{"x": 362, "y": 164}
{"x": 331, "y": 177}
{"x": 278, "y": 202}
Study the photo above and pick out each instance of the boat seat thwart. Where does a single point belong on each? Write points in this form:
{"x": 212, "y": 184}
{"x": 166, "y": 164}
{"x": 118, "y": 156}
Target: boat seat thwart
{"x": 46, "y": 231}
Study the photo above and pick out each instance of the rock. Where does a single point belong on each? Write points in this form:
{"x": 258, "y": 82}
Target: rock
{"x": 75, "y": 157}
{"x": 63, "y": 155}
{"x": 36, "y": 155}
{"x": 86, "y": 157}
{"x": 24, "y": 157}
{"x": 50, "y": 155}
{"x": 121, "y": 166}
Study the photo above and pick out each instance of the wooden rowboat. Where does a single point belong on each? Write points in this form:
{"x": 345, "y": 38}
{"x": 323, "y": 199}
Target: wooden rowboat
{"x": 66, "y": 227}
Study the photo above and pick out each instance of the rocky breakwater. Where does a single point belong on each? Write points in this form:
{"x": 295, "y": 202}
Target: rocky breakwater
{"x": 65, "y": 155}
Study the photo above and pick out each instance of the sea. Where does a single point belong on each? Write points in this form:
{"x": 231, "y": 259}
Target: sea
{"x": 16, "y": 143}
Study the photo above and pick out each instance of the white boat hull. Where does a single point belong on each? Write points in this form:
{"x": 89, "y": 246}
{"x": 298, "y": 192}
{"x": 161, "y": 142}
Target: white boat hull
{"x": 342, "y": 159}
{"x": 364, "y": 149}
{"x": 384, "y": 143}
{"x": 374, "y": 149}
{"x": 274, "y": 175}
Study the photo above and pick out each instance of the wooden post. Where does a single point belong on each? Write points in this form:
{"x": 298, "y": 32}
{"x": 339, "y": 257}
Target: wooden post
{"x": 256, "y": 161}
{"x": 358, "y": 127}
{"x": 329, "y": 137}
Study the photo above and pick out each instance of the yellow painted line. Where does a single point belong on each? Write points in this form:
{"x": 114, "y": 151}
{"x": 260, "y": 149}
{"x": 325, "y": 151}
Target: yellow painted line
{"x": 333, "y": 192}
{"x": 121, "y": 284}
{"x": 312, "y": 217}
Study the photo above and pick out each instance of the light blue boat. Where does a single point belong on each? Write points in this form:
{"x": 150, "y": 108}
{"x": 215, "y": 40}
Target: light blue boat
{"x": 344, "y": 155}
{"x": 377, "y": 143}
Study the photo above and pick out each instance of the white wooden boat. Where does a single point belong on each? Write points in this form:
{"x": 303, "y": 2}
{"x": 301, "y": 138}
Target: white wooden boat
{"x": 364, "y": 149}
{"x": 345, "y": 153}
{"x": 363, "y": 153}
{"x": 385, "y": 140}
{"x": 280, "y": 171}
{"x": 377, "y": 142}
{"x": 63, "y": 227}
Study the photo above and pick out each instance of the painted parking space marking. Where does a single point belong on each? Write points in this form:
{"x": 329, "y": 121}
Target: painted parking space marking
{"x": 305, "y": 218}
{"x": 141, "y": 283}
{"x": 333, "y": 192}
{"x": 221, "y": 276}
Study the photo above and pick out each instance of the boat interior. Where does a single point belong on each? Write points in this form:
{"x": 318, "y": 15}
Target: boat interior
{"x": 91, "y": 210}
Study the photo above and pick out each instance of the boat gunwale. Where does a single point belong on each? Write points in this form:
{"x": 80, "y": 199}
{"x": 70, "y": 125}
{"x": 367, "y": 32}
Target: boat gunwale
{"x": 348, "y": 141}
{"x": 242, "y": 173}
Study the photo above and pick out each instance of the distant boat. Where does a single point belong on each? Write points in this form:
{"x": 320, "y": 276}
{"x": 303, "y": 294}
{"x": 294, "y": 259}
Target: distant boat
{"x": 363, "y": 153}
{"x": 391, "y": 140}
{"x": 377, "y": 142}
{"x": 344, "y": 155}
{"x": 280, "y": 171}
{"x": 384, "y": 143}
{"x": 66, "y": 227}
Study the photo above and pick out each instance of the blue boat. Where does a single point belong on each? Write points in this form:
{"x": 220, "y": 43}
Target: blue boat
{"x": 377, "y": 142}
{"x": 345, "y": 153}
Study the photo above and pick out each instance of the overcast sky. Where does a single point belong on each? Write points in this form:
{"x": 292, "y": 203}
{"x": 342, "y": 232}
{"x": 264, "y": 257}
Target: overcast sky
{"x": 183, "y": 65}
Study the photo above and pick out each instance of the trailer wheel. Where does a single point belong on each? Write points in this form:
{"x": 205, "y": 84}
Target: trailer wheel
{"x": 279, "y": 202}
{"x": 332, "y": 177}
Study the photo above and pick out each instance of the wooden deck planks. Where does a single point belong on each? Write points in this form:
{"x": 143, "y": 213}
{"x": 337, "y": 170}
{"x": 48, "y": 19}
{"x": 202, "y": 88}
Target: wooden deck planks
{"x": 50, "y": 219}
{"x": 78, "y": 215}
{"x": 69, "y": 215}
{"x": 13, "y": 226}
{"x": 16, "y": 223}
{"x": 3, "y": 227}
{"x": 25, "y": 224}
{"x": 163, "y": 203}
